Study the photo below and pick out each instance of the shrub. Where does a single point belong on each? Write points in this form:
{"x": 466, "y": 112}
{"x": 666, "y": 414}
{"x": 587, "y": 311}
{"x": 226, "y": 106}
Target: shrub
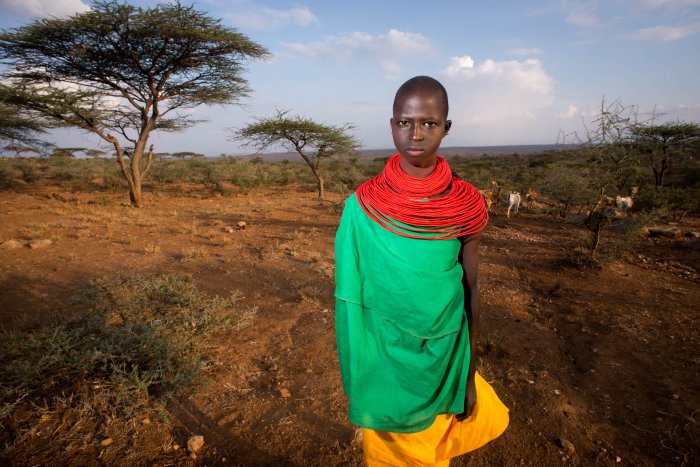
{"x": 139, "y": 339}
{"x": 28, "y": 170}
{"x": 668, "y": 203}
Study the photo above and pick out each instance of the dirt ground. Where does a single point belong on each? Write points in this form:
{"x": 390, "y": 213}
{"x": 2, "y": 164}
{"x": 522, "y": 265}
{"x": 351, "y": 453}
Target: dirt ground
{"x": 606, "y": 359}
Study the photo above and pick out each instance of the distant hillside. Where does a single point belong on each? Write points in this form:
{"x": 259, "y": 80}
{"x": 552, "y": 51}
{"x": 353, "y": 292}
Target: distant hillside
{"x": 463, "y": 151}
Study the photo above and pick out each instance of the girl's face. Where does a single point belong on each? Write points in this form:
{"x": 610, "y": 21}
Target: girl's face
{"x": 418, "y": 126}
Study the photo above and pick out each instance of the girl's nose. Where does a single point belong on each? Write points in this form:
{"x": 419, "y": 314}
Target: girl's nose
{"x": 416, "y": 134}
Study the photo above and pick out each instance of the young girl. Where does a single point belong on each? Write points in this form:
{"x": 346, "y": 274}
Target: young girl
{"x": 407, "y": 299}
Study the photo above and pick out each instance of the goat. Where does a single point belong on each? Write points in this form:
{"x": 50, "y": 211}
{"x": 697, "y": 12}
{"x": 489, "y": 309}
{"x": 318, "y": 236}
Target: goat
{"x": 513, "y": 202}
{"x": 624, "y": 203}
{"x": 488, "y": 198}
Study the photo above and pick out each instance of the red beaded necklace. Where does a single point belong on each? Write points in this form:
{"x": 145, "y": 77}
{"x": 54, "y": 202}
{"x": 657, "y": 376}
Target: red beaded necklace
{"x": 442, "y": 205}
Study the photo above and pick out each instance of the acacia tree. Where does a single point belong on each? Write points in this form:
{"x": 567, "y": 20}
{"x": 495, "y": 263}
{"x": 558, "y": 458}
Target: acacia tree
{"x": 121, "y": 72}
{"x": 311, "y": 140}
{"x": 15, "y": 125}
{"x": 661, "y": 146}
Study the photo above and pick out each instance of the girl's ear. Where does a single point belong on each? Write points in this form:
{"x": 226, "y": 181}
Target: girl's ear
{"x": 448, "y": 125}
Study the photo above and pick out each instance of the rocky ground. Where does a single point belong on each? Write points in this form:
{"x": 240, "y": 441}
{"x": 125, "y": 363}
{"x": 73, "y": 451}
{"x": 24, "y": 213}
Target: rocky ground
{"x": 598, "y": 366}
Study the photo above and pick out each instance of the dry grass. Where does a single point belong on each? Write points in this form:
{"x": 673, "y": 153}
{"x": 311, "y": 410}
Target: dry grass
{"x": 39, "y": 232}
{"x": 308, "y": 292}
{"x": 151, "y": 249}
{"x": 194, "y": 252}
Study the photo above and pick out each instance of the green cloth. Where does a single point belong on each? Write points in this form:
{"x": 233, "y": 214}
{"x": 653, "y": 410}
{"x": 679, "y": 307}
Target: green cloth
{"x": 401, "y": 328}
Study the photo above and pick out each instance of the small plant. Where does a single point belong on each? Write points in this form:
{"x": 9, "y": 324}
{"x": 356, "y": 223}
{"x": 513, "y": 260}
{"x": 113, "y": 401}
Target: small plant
{"x": 193, "y": 252}
{"x": 28, "y": 171}
{"x": 307, "y": 292}
{"x": 151, "y": 249}
{"x": 138, "y": 340}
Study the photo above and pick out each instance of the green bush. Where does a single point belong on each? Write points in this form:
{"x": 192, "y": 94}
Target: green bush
{"x": 669, "y": 203}
{"x": 139, "y": 339}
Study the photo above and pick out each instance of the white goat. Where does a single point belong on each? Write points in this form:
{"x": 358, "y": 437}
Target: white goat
{"x": 624, "y": 203}
{"x": 513, "y": 202}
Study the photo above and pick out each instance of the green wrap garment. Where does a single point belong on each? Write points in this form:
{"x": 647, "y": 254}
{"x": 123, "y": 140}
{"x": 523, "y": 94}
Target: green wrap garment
{"x": 401, "y": 328}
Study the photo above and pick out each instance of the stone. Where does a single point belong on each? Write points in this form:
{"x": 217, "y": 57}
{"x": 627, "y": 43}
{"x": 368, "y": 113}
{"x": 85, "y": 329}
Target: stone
{"x": 195, "y": 443}
{"x": 11, "y": 244}
{"x": 567, "y": 445}
{"x": 692, "y": 234}
{"x": 357, "y": 439}
{"x": 670, "y": 232}
{"x": 241, "y": 225}
{"x": 34, "y": 244}
{"x": 106, "y": 442}
{"x": 285, "y": 394}
{"x": 229, "y": 230}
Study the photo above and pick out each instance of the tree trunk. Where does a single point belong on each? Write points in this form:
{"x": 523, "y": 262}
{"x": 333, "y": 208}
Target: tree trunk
{"x": 596, "y": 241}
{"x": 135, "y": 188}
{"x": 321, "y": 190}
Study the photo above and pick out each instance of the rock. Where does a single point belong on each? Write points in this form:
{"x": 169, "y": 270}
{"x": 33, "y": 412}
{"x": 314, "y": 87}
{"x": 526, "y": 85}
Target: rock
{"x": 193, "y": 455}
{"x": 176, "y": 447}
{"x": 618, "y": 459}
{"x": 357, "y": 439}
{"x": 692, "y": 244}
{"x": 146, "y": 421}
{"x": 692, "y": 234}
{"x": 285, "y": 394}
{"x": 106, "y": 442}
{"x": 34, "y": 244}
{"x": 567, "y": 445}
{"x": 241, "y": 225}
{"x": 557, "y": 392}
{"x": 11, "y": 244}
{"x": 229, "y": 229}
{"x": 670, "y": 232}
{"x": 195, "y": 443}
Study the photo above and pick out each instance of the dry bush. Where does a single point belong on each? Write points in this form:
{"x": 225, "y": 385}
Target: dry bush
{"x": 151, "y": 249}
{"x": 307, "y": 292}
{"x": 193, "y": 252}
{"x": 138, "y": 340}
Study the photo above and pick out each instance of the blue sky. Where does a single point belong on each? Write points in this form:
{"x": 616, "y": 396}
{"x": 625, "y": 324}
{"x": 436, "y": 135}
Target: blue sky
{"x": 516, "y": 72}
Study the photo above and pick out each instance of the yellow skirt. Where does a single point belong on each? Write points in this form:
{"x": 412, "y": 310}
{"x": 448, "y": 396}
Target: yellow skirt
{"x": 445, "y": 438}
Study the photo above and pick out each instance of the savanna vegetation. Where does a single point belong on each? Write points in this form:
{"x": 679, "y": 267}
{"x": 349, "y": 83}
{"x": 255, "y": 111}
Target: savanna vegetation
{"x": 137, "y": 343}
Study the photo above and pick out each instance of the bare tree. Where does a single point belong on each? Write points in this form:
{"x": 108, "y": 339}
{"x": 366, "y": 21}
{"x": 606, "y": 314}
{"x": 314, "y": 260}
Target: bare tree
{"x": 121, "y": 72}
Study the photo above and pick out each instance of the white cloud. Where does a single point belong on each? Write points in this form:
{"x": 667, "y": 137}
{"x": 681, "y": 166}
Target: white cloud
{"x": 527, "y": 76}
{"x": 664, "y": 33}
{"x": 269, "y": 18}
{"x": 491, "y": 98}
{"x": 583, "y": 18}
{"x": 386, "y": 50}
{"x": 525, "y": 52}
{"x": 570, "y": 112}
{"x": 45, "y": 8}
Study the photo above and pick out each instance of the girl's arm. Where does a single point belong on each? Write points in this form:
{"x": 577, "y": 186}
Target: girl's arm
{"x": 469, "y": 257}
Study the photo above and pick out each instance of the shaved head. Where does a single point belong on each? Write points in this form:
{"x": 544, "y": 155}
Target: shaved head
{"x": 421, "y": 85}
